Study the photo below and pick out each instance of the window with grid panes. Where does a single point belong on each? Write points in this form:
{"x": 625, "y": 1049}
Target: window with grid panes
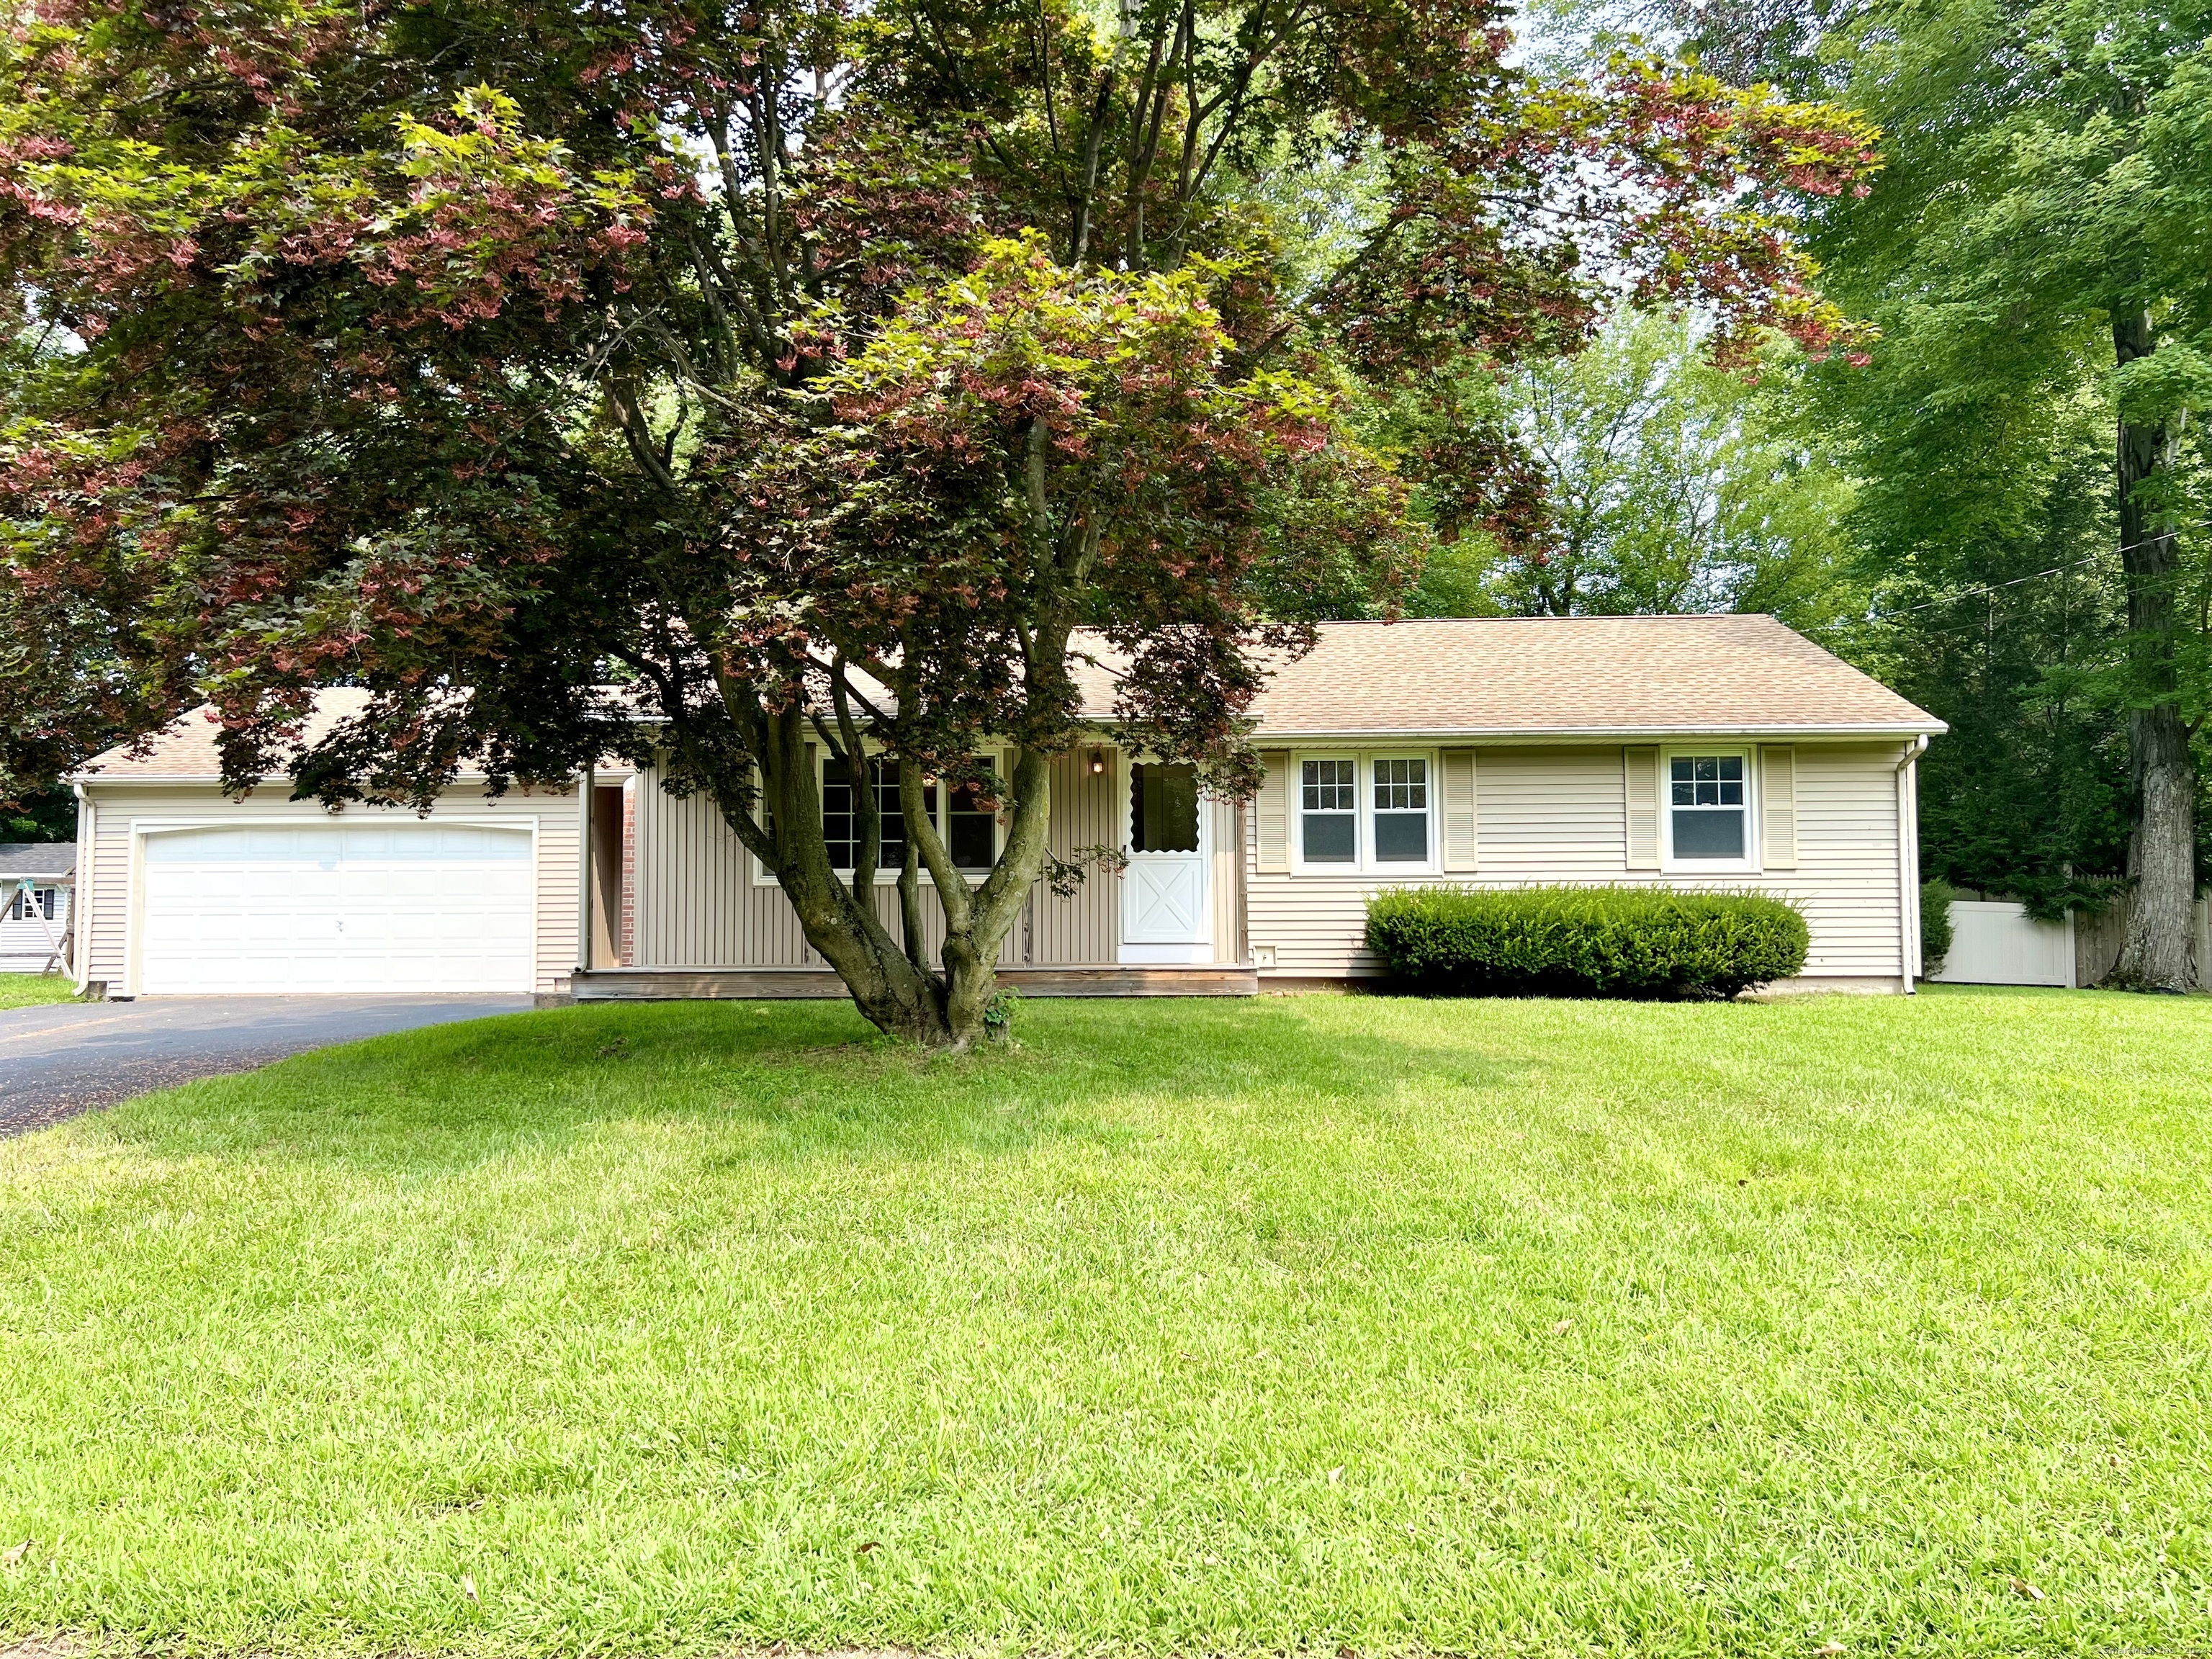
{"x": 1705, "y": 802}
{"x": 971, "y": 828}
{"x": 841, "y": 826}
{"x": 1401, "y": 811}
{"x": 1328, "y": 812}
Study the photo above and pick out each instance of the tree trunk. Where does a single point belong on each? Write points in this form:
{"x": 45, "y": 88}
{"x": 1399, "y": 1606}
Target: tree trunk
{"x": 891, "y": 982}
{"x": 2156, "y": 956}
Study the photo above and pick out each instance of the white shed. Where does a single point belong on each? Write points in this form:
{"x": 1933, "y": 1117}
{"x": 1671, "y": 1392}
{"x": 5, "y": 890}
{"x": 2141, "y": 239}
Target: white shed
{"x": 38, "y": 880}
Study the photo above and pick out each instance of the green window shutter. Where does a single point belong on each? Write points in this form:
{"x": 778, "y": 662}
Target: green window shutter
{"x": 1777, "y": 807}
{"x": 1273, "y": 817}
{"x": 1640, "y": 774}
{"x": 1460, "y": 848}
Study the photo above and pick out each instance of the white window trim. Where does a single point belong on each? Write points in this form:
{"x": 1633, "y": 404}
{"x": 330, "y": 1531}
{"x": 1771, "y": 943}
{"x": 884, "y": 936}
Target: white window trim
{"x": 1298, "y": 865}
{"x": 1364, "y": 865}
{"x": 996, "y": 754}
{"x": 1378, "y": 865}
{"x": 1748, "y": 865}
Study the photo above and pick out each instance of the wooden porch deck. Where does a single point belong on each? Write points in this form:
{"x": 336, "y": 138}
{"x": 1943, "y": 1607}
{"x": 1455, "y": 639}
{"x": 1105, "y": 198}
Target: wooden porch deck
{"x": 1086, "y": 979}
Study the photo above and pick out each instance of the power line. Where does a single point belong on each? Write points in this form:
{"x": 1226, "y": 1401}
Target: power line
{"x": 1977, "y": 592}
{"x": 1995, "y": 587}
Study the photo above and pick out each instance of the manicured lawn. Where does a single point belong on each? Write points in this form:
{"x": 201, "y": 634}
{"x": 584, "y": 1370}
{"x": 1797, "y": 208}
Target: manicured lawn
{"x": 1209, "y": 1328}
{"x": 28, "y": 990}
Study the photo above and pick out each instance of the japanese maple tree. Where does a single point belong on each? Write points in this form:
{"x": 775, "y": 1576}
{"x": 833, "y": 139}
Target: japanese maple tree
{"x": 701, "y": 383}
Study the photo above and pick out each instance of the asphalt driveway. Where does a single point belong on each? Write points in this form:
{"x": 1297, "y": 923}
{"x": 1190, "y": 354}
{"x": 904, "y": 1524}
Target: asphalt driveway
{"x": 62, "y": 1059}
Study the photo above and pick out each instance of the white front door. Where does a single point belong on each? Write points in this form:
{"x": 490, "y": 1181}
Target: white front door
{"x": 328, "y": 907}
{"x": 1166, "y": 916}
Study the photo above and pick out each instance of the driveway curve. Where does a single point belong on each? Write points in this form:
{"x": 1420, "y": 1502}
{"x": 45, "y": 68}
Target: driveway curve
{"x": 61, "y": 1059}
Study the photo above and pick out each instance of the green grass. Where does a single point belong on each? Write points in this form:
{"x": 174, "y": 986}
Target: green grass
{"x": 30, "y": 990}
{"x": 1484, "y": 1327}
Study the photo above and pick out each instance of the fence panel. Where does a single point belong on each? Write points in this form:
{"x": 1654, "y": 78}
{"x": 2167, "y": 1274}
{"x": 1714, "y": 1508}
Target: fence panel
{"x": 1996, "y": 942}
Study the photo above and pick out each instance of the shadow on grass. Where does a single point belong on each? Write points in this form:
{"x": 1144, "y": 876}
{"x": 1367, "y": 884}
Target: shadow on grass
{"x": 786, "y": 1080}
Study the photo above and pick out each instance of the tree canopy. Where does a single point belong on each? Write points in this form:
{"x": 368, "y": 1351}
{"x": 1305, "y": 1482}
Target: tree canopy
{"x": 794, "y": 374}
{"x": 2035, "y": 494}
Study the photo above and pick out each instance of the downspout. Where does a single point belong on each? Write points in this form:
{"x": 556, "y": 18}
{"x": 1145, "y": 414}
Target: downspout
{"x": 1908, "y": 863}
{"x": 80, "y": 923}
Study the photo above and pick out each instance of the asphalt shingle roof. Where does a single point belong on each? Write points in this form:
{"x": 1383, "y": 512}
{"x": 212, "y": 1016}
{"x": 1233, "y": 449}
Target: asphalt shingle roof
{"x": 44, "y": 860}
{"x": 1530, "y": 676}
{"x": 1499, "y": 677}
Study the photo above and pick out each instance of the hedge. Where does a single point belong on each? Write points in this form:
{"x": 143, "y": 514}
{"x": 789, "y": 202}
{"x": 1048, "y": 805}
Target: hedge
{"x": 1583, "y": 941}
{"x": 1935, "y": 900}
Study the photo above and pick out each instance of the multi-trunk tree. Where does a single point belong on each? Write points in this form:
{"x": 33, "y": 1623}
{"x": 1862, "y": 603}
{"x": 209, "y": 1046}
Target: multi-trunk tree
{"x": 791, "y": 375}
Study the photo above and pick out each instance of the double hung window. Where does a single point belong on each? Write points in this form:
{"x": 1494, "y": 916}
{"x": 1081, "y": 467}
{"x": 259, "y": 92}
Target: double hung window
{"x": 841, "y": 813}
{"x": 1401, "y": 811}
{"x": 965, "y": 815}
{"x": 1329, "y": 814}
{"x": 971, "y": 828}
{"x": 1708, "y": 819}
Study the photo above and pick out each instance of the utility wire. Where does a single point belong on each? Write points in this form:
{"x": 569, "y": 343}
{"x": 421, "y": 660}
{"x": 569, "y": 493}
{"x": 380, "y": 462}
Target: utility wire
{"x": 1994, "y": 587}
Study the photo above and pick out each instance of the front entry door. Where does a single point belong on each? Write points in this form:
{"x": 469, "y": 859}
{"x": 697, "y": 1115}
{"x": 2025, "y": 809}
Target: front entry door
{"x": 1165, "y": 915}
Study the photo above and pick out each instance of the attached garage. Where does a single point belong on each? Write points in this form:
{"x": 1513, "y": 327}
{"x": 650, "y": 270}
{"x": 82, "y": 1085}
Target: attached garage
{"x": 334, "y": 907}
{"x": 189, "y": 891}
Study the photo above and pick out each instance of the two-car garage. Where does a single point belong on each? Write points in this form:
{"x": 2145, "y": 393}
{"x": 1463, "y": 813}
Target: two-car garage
{"x": 332, "y": 906}
{"x": 191, "y": 891}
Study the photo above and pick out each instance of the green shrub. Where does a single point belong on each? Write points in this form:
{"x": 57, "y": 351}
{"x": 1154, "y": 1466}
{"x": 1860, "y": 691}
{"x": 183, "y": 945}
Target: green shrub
{"x": 1936, "y": 898}
{"x": 1583, "y": 941}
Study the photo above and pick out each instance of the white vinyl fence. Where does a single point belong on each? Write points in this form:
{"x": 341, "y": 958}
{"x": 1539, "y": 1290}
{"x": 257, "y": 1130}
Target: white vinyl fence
{"x": 1995, "y": 942}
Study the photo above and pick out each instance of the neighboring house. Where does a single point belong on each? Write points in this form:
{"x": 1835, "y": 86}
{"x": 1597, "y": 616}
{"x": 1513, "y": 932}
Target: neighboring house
{"x": 1720, "y": 751}
{"x": 35, "y": 922}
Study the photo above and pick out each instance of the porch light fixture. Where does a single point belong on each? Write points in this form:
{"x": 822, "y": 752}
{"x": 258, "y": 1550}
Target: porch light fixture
{"x": 1097, "y": 761}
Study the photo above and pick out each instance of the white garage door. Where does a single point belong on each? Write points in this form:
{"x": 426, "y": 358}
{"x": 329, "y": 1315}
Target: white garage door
{"x": 336, "y": 907}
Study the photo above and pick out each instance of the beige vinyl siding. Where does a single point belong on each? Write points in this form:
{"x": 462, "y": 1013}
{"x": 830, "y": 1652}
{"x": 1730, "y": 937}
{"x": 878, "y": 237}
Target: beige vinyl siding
{"x": 698, "y": 904}
{"x": 560, "y": 882}
{"x": 119, "y": 807}
{"x": 1550, "y": 815}
{"x": 106, "y": 914}
{"x": 1846, "y": 879}
{"x": 1087, "y": 811}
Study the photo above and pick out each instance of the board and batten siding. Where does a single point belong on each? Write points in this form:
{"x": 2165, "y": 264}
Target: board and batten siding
{"x": 118, "y": 808}
{"x": 1559, "y": 815}
{"x": 699, "y": 902}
